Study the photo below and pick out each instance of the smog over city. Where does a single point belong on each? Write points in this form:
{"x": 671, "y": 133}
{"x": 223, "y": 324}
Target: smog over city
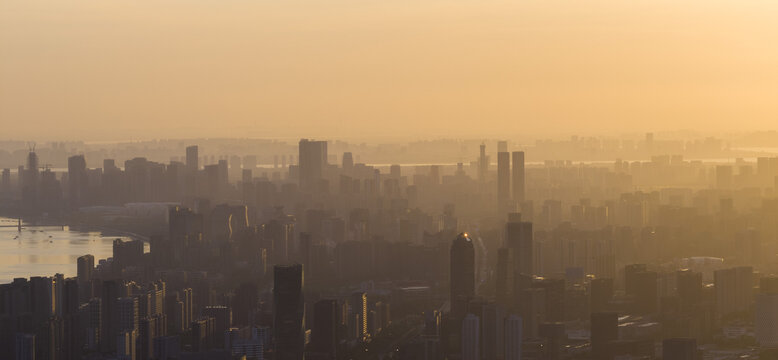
{"x": 388, "y": 180}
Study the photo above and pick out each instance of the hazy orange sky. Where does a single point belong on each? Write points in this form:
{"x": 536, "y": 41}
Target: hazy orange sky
{"x": 347, "y": 68}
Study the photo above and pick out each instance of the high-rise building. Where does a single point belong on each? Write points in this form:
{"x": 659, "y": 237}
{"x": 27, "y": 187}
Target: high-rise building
{"x": 128, "y": 313}
{"x": 86, "y": 265}
{"x": 647, "y": 292}
{"x": 502, "y": 146}
{"x": 462, "y": 273}
{"x": 288, "y": 312}
{"x": 689, "y": 285}
{"x": 503, "y": 181}
{"x": 518, "y": 177}
{"x": 513, "y": 337}
{"x": 312, "y": 162}
{"x": 192, "y": 160}
{"x": 324, "y": 330}
{"x": 734, "y": 289}
{"x": 483, "y": 164}
{"x": 504, "y": 280}
{"x": 604, "y": 329}
{"x": 77, "y": 180}
{"x": 471, "y": 336}
{"x": 518, "y": 236}
{"x": 358, "y": 304}
{"x": 600, "y": 294}
{"x": 766, "y": 314}
{"x": 492, "y": 331}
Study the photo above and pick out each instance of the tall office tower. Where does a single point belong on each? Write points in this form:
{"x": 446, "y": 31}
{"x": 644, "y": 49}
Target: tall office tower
{"x": 358, "y": 304}
{"x": 348, "y": 163}
{"x": 766, "y": 313}
{"x": 462, "y": 274}
{"x": 518, "y": 236}
{"x": 502, "y": 146}
{"x": 483, "y": 164}
{"x": 630, "y": 283}
{"x": 127, "y": 308}
{"x": 86, "y": 264}
{"x": 504, "y": 280}
{"x": 679, "y": 349}
{"x": 91, "y": 313}
{"x": 604, "y": 329}
{"x": 77, "y": 180}
{"x": 492, "y": 331}
{"x": 647, "y": 292}
{"x": 503, "y": 181}
{"x": 43, "y": 298}
{"x": 734, "y": 289}
{"x": 689, "y": 285}
{"x": 288, "y": 312}
{"x": 126, "y": 345}
{"x": 187, "y": 298}
{"x": 30, "y": 183}
{"x": 555, "y": 296}
{"x": 513, "y": 336}
{"x": 192, "y": 160}
{"x": 324, "y": 330}
{"x": 518, "y": 177}
{"x": 600, "y": 294}
{"x": 312, "y": 161}
{"x": 109, "y": 315}
{"x": 147, "y": 331}
{"x": 471, "y": 349}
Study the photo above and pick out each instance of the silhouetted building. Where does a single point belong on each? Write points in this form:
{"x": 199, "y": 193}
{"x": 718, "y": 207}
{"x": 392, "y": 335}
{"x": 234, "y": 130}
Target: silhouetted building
{"x": 518, "y": 177}
{"x": 604, "y": 329}
{"x": 288, "y": 312}
{"x": 312, "y": 162}
{"x": 462, "y": 274}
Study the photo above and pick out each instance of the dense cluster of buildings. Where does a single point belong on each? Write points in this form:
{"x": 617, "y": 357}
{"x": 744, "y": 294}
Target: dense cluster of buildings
{"x": 312, "y": 258}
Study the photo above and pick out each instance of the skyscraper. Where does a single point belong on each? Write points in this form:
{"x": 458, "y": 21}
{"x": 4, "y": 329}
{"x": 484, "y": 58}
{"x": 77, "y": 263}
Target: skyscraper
{"x": 734, "y": 289}
{"x": 513, "y": 336}
{"x": 766, "y": 314}
{"x": 86, "y": 265}
{"x": 518, "y": 236}
{"x": 504, "y": 280}
{"x": 359, "y": 315}
{"x": 462, "y": 273}
{"x": 518, "y": 177}
{"x": 470, "y": 338}
{"x": 77, "y": 180}
{"x": 288, "y": 312}
{"x": 192, "y": 162}
{"x": 604, "y": 329}
{"x": 312, "y": 161}
{"x": 324, "y": 329}
{"x": 483, "y": 164}
{"x": 503, "y": 180}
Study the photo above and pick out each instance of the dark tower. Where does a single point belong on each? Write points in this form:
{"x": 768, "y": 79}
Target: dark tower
{"x": 518, "y": 176}
{"x": 518, "y": 236}
{"x": 462, "y": 273}
{"x": 288, "y": 312}
{"x": 604, "y": 329}
{"x": 503, "y": 180}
